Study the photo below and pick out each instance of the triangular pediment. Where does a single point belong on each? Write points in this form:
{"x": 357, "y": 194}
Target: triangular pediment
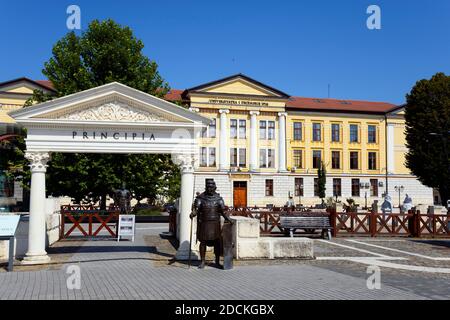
{"x": 112, "y": 108}
{"x": 110, "y": 103}
{"x": 238, "y": 85}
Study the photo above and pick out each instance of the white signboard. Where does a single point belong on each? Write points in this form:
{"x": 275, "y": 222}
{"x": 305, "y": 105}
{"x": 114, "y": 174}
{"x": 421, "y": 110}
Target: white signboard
{"x": 126, "y": 226}
{"x": 8, "y": 225}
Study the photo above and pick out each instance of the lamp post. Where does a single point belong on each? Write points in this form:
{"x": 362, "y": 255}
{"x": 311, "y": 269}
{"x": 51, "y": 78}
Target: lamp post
{"x": 365, "y": 186}
{"x": 399, "y": 189}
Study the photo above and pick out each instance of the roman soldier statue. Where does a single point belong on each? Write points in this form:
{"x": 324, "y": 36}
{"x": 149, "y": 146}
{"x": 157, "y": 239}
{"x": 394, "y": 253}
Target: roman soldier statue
{"x": 208, "y": 207}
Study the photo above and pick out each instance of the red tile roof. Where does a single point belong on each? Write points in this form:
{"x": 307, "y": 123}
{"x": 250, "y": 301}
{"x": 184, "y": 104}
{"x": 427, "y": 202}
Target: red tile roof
{"x": 300, "y": 103}
{"x": 174, "y": 95}
{"x": 46, "y": 83}
{"x": 335, "y": 105}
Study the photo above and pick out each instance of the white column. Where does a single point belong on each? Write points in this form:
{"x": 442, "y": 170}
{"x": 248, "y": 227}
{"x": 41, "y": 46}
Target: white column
{"x": 390, "y": 159}
{"x": 224, "y": 164}
{"x": 253, "y": 141}
{"x": 282, "y": 141}
{"x": 186, "y": 163}
{"x": 36, "y": 253}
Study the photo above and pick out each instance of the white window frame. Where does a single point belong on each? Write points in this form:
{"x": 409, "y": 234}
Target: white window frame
{"x": 208, "y": 153}
{"x": 266, "y": 158}
{"x": 238, "y": 162}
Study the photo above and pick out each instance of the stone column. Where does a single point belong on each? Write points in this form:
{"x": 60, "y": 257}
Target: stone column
{"x": 254, "y": 141}
{"x": 36, "y": 253}
{"x": 282, "y": 141}
{"x": 224, "y": 164}
{"x": 186, "y": 163}
{"x": 390, "y": 159}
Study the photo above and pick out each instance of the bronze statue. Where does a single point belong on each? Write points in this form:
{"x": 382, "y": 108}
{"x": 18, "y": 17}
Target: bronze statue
{"x": 122, "y": 199}
{"x": 209, "y": 207}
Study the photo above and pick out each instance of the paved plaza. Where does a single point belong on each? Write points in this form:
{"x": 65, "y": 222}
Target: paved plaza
{"x": 145, "y": 269}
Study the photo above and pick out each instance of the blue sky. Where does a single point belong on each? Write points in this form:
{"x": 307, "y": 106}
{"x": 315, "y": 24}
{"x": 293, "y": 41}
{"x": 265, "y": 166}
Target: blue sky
{"x": 298, "y": 47}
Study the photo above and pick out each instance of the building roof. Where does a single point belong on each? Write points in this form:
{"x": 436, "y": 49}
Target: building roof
{"x": 198, "y": 88}
{"x": 335, "y": 105}
{"x": 174, "y": 95}
{"x": 44, "y": 84}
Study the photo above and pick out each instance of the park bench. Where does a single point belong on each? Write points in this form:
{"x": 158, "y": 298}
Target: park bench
{"x": 306, "y": 222}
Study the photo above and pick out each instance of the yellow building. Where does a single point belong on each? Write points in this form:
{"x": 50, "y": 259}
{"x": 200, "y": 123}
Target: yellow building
{"x": 264, "y": 145}
{"x": 13, "y": 95}
{"x": 272, "y": 144}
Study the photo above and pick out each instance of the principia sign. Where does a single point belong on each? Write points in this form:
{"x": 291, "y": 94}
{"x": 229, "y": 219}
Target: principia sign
{"x": 104, "y": 135}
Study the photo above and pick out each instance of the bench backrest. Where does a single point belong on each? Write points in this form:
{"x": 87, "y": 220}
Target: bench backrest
{"x": 305, "y": 222}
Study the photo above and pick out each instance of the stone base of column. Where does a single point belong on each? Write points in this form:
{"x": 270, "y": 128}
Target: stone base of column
{"x": 183, "y": 255}
{"x": 35, "y": 259}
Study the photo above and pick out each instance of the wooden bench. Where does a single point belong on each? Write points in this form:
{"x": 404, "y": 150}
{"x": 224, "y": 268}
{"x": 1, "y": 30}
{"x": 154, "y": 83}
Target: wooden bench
{"x": 306, "y": 222}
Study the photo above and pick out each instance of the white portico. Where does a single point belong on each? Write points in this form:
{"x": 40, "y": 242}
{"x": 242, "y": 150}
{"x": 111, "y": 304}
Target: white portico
{"x": 112, "y": 118}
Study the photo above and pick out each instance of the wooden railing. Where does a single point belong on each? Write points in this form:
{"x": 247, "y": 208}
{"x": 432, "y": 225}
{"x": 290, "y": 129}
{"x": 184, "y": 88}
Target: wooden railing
{"x": 411, "y": 224}
{"x": 76, "y": 215}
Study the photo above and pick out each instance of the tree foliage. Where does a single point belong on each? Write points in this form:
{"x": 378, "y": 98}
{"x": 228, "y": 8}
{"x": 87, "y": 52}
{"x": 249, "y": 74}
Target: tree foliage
{"x": 321, "y": 180}
{"x": 427, "y": 116}
{"x": 104, "y": 53}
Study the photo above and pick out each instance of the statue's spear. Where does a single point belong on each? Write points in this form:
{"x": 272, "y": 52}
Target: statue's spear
{"x": 190, "y": 244}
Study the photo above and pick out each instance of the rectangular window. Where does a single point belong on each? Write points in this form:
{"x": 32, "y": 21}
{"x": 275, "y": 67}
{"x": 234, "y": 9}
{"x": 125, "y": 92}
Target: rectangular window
{"x": 335, "y": 159}
{"x": 354, "y": 159}
{"x": 233, "y": 157}
{"x": 270, "y": 158}
{"x": 355, "y": 187}
{"x": 337, "y": 187}
{"x": 262, "y": 129}
{"x": 204, "y": 133}
{"x": 372, "y": 161}
{"x": 298, "y": 163}
{"x": 317, "y": 158}
{"x": 335, "y": 132}
{"x": 233, "y": 129}
{"x": 207, "y": 157}
{"x": 353, "y": 133}
{"x": 238, "y": 157}
{"x": 298, "y": 131}
{"x": 212, "y": 157}
{"x": 269, "y": 187}
{"x": 374, "y": 187}
{"x": 242, "y": 129}
{"x": 317, "y": 132}
{"x": 212, "y": 128}
{"x": 203, "y": 157}
{"x": 242, "y": 157}
{"x": 271, "y": 130}
{"x": 316, "y": 187}
{"x": 372, "y": 134}
{"x": 266, "y": 158}
{"x": 299, "y": 187}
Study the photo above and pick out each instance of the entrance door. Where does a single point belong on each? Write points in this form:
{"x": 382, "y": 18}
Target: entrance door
{"x": 240, "y": 194}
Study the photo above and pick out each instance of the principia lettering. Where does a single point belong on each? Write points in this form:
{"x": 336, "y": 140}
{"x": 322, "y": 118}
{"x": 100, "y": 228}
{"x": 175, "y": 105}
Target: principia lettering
{"x": 129, "y": 136}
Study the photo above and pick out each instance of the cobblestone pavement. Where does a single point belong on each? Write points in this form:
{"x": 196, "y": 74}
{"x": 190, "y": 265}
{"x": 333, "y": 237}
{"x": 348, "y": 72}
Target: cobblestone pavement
{"x": 145, "y": 270}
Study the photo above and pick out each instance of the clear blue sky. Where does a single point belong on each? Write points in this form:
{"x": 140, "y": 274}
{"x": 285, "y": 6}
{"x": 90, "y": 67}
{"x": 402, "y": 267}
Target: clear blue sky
{"x": 296, "y": 46}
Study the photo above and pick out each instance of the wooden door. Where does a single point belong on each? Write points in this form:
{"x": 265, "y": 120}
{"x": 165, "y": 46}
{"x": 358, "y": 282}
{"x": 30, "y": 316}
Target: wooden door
{"x": 240, "y": 194}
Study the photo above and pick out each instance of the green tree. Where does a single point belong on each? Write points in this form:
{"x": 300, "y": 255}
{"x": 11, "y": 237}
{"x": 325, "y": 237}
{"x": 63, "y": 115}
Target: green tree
{"x": 321, "y": 180}
{"x": 104, "y": 53}
{"x": 427, "y": 116}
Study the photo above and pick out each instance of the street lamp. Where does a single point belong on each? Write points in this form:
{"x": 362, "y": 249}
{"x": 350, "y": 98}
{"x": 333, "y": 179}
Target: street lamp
{"x": 399, "y": 189}
{"x": 365, "y": 186}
